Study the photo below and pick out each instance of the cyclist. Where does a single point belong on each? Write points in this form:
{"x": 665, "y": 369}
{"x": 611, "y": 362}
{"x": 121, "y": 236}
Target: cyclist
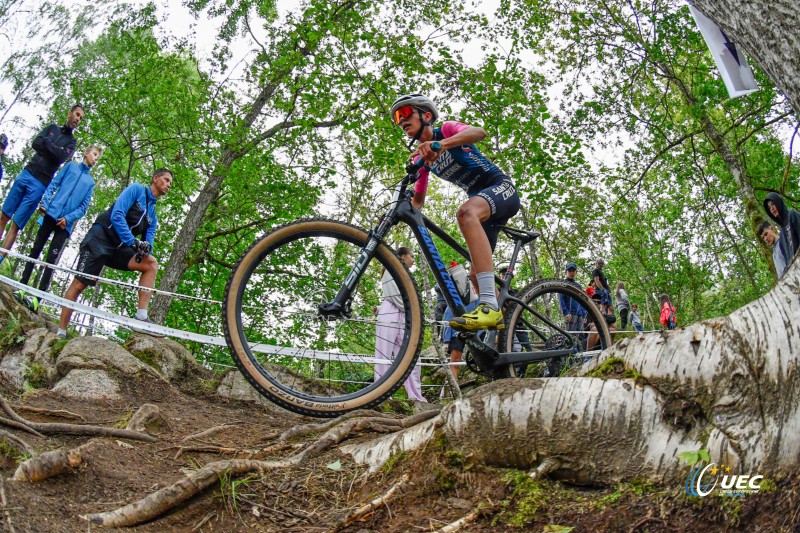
{"x": 492, "y": 196}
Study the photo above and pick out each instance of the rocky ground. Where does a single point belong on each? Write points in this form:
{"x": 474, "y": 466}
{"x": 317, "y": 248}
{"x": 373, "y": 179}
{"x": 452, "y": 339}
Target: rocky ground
{"x": 97, "y": 381}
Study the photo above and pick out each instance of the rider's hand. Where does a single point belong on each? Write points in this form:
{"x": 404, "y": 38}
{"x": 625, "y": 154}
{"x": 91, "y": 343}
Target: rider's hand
{"x": 62, "y": 223}
{"x": 145, "y": 248}
{"x": 427, "y": 153}
{"x": 568, "y": 317}
{"x": 135, "y": 245}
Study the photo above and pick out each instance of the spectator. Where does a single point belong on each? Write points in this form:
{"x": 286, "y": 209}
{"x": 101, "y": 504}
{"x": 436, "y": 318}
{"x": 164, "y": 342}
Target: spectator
{"x": 574, "y": 313}
{"x": 3, "y": 146}
{"x": 53, "y": 146}
{"x": 789, "y": 222}
{"x": 623, "y": 303}
{"x": 112, "y": 240}
{"x": 668, "y": 316}
{"x": 769, "y": 235}
{"x": 389, "y": 335}
{"x": 65, "y": 201}
{"x": 601, "y": 286}
{"x": 636, "y": 322}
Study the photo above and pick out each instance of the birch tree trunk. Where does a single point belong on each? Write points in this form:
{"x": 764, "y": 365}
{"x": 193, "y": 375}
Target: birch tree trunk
{"x": 729, "y": 385}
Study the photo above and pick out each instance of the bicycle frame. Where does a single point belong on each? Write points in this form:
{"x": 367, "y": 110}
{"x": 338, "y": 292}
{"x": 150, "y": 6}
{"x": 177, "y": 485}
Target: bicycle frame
{"x": 401, "y": 210}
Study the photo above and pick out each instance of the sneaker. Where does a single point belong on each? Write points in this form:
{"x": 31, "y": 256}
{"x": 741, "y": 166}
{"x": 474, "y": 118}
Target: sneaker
{"x": 147, "y": 321}
{"x": 483, "y": 317}
{"x": 32, "y": 303}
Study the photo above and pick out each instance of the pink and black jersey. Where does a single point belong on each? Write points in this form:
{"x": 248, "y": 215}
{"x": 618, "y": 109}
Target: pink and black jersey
{"x": 463, "y": 165}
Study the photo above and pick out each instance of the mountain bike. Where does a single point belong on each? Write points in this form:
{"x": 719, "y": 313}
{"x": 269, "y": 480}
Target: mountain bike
{"x": 299, "y": 312}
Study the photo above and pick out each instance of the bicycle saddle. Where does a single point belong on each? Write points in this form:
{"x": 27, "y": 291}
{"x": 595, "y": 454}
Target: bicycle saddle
{"x": 519, "y": 235}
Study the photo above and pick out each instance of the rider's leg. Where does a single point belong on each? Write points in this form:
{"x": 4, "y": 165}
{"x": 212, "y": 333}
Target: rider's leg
{"x": 470, "y": 215}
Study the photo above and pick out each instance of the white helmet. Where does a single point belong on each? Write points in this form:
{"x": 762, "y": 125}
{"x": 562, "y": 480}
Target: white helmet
{"x": 416, "y": 100}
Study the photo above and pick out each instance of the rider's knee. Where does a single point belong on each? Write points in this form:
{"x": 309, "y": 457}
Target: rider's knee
{"x": 466, "y": 213}
{"x": 150, "y": 263}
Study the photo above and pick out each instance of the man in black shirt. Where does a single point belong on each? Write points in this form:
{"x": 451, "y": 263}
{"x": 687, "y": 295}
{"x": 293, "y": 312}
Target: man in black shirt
{"x": 601, "y": 287}
{"x": 53, "y": 146}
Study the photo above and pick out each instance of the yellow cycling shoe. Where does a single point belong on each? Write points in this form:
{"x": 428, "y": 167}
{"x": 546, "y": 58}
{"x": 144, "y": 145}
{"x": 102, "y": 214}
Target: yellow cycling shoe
{"x": 483, "y": 317}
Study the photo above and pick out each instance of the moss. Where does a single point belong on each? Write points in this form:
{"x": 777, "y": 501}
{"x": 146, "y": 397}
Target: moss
{"x": 614, "y": 367}
{"x": 12, "y": 333}
{"x": 56, "y": 347}
{"x": 7, "y": 450}
{"x": 527, "y": 497}
{"x": 393, "y": 461}
{"x": 768, "y": 485}
{"x": 35, "y": 376}
{"x": 208, "y": 385}
{"x": 148, "y": 357}
{"x": 123, "y": 422}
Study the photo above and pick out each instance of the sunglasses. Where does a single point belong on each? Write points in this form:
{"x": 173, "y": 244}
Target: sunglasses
{"x": 403, "y": 113}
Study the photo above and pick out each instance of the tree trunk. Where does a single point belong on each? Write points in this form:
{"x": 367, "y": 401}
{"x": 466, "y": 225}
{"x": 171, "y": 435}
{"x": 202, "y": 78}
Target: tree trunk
{"x": 728, "y": 385}
{"x": 767, "y": 30}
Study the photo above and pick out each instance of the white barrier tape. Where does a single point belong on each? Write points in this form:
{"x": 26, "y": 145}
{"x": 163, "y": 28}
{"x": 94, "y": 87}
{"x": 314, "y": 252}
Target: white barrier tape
{"x": 107, "y": 280}
{"x": 138, "y": 325}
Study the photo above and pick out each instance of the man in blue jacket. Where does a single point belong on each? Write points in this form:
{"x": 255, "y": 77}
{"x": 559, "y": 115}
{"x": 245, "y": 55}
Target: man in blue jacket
{"x": 65, "y": 201}
{"x": 53, "y": 146}
{"x": 114, "y": 240}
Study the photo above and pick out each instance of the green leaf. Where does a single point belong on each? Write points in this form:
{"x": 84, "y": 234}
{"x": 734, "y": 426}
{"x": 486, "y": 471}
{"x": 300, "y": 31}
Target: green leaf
{"x": 336, "y": 465}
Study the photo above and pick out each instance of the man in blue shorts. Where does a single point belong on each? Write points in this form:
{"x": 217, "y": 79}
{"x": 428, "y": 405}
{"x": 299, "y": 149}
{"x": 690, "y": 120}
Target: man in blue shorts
{"x": 53, "y": 146}
{"x": 492, "y": 197}
{"x": 112, "y": 241}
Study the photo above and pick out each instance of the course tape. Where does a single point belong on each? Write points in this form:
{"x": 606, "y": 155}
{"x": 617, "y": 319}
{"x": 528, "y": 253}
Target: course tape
{"x": 138, "y": 325}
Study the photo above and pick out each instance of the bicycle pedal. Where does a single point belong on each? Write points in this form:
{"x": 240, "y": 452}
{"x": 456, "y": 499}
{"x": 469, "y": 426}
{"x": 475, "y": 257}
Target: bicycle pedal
{"x": 484, "y": 356}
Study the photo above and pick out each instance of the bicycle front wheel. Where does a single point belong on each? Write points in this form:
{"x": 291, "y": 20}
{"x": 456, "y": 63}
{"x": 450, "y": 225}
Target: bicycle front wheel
{"x": 302, "y": 361}
{"x": 539, "y": 326}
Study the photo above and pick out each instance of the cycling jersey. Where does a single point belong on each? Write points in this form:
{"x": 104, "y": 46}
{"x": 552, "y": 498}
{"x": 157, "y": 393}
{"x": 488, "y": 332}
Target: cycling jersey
{"x": 463, "y": 165}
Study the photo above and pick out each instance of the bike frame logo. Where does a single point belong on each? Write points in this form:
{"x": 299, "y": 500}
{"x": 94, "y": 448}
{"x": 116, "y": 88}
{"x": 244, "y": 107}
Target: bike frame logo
{"x": 702, "y": 480}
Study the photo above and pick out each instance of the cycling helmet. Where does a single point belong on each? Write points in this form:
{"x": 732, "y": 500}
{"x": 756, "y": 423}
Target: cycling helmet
{"x": 3, "y": 141}
{"x": 416, "y": 100}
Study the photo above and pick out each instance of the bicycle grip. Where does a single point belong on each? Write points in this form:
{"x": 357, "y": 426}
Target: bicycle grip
{"x": 416, "y": 165}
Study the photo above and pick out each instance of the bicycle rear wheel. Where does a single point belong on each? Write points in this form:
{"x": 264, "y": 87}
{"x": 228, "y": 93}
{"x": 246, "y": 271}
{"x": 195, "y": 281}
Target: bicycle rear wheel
{"x": 302, "y": 361}
{"x": 529, "y": 327}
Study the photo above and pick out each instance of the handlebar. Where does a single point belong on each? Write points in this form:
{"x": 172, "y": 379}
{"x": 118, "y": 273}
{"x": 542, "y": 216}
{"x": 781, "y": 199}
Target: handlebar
{"x": 414, "y": 166}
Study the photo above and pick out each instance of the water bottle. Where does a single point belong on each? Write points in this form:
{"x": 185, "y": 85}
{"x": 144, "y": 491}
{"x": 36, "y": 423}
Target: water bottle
{"x": 461, "y": 279}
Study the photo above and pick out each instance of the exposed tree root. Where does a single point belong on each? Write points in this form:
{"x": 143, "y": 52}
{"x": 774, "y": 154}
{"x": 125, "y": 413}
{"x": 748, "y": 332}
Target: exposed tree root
{"x": 17, "y": 443}
{"x": 206, "y": 433}
{"x": 148, "y": 415}
{"x": 158, "y": 502}
{"x": 39, "y": 428}
{"x": 214, "y": 449}
{"x": 374, "y": 504}
{"x": 312, "y": 428}
{"x": 461, "y": 522}
{"x": 52, "y": 463}
{"x": 19, "y": 425}
{"x": 4, "y": 502}
{"x": 52, "y": 412}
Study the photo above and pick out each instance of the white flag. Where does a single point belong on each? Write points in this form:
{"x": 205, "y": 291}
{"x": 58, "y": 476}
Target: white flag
{"x": 730, "y": 61}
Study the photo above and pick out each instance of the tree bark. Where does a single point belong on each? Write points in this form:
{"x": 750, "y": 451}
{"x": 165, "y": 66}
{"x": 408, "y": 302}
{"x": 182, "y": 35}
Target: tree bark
{"x": 767, "y": 30}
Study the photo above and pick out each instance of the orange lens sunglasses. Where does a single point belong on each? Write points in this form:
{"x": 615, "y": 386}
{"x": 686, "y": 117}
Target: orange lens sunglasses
{"x": 403, "y": 113}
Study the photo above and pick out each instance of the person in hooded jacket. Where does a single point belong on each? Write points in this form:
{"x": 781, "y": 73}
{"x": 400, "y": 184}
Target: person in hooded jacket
{"x": 789, "y": 222}
{"x": 65, "y": 201}
{"x": 53, "y": 146}
{"x": 3, "y": 146}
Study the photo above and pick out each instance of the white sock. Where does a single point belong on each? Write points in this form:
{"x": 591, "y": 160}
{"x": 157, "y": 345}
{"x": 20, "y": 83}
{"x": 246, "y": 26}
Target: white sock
{"x": 141, "y": 314}
{"x": 61, "y": 333}
{"x": 486, "y": 287}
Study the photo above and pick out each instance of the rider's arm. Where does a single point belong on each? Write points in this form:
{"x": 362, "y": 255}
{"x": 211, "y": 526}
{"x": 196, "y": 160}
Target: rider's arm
{"x": 420, "y": 188}
{"x": 454, "y": 134}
